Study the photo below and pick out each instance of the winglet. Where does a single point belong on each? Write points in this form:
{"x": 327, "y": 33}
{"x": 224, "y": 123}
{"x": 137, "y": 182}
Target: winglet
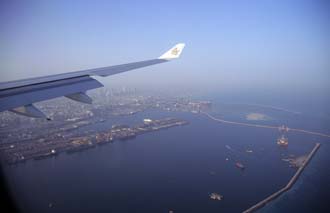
{"x": 173, "y": 53}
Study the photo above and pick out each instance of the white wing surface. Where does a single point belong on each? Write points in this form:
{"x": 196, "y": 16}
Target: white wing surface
{"x": 19, "y": 96}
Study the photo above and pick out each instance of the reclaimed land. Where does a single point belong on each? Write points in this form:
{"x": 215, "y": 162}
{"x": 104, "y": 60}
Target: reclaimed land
{"x": 45, "y": 147}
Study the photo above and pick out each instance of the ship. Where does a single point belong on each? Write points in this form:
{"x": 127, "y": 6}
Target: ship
{"x": 282, "y": 141}
{"x": 45, "y": 155}
{"x": 216, "y": 196}
{"x": 79, "y": 148}
{"x": 239, "y": 165}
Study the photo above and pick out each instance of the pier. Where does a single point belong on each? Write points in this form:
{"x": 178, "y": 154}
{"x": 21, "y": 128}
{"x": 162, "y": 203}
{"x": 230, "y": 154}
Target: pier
{"x": 288, "y": 186}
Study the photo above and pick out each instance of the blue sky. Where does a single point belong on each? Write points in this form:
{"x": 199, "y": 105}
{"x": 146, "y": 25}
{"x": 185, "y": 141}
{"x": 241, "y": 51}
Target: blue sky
{"x": 230, "y": 45}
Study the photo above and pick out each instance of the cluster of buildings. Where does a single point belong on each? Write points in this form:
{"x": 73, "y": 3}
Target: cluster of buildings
{"x": 23, "y": 137}
{"x": 43, "y": 147}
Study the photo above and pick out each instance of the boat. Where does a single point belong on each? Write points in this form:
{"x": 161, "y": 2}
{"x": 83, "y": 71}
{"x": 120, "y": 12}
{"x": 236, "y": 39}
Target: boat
{"x": 283, "y": 141}
{"x": 45, "y": 155}
{"x": 239, "y": 165}
{"x": 216, "y": 196}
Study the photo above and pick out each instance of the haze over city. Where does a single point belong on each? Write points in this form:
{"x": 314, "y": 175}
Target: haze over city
{"x": 232, "y": 116}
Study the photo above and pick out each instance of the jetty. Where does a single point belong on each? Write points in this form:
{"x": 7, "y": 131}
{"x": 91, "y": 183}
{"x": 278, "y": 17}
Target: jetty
{"x": 288, "y": 186}
{"x": 264, "y": 126}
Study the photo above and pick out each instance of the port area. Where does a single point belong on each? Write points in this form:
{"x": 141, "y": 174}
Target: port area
{"x": 44, "y": 147}
{"x": 288, "y": 186}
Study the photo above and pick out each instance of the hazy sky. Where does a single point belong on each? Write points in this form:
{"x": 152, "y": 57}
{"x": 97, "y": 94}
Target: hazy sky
{"x": 229, "y": 44}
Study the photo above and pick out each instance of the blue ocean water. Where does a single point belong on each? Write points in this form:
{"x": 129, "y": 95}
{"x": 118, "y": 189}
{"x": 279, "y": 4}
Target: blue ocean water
{"x": 310, "y": 193}
{"x": 176, "y": 169}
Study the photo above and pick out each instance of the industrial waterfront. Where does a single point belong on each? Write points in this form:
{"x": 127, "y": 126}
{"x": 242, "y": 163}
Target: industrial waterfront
{"x": 49, "y": 147}
{"x": 153, "y": 172}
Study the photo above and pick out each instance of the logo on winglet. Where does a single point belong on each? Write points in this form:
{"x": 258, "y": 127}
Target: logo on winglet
{"x": 175, "y": 51}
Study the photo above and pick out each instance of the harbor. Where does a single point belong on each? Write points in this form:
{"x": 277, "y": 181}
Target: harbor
{"x": 279, "y": 128}
{"x": 157, "y": 158}
{"x": 288, "y": 186}
{"x": 42, "y": 148}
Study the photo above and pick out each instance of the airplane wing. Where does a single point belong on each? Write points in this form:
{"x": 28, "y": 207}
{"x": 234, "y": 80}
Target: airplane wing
{"x": 19, "y": 96}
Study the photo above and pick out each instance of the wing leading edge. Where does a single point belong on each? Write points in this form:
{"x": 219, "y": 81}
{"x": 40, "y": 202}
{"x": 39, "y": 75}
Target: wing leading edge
{"x": 19, "y": 96}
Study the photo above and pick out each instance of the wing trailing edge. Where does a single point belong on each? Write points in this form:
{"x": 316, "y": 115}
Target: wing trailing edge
{"x": 19, "y": 96}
